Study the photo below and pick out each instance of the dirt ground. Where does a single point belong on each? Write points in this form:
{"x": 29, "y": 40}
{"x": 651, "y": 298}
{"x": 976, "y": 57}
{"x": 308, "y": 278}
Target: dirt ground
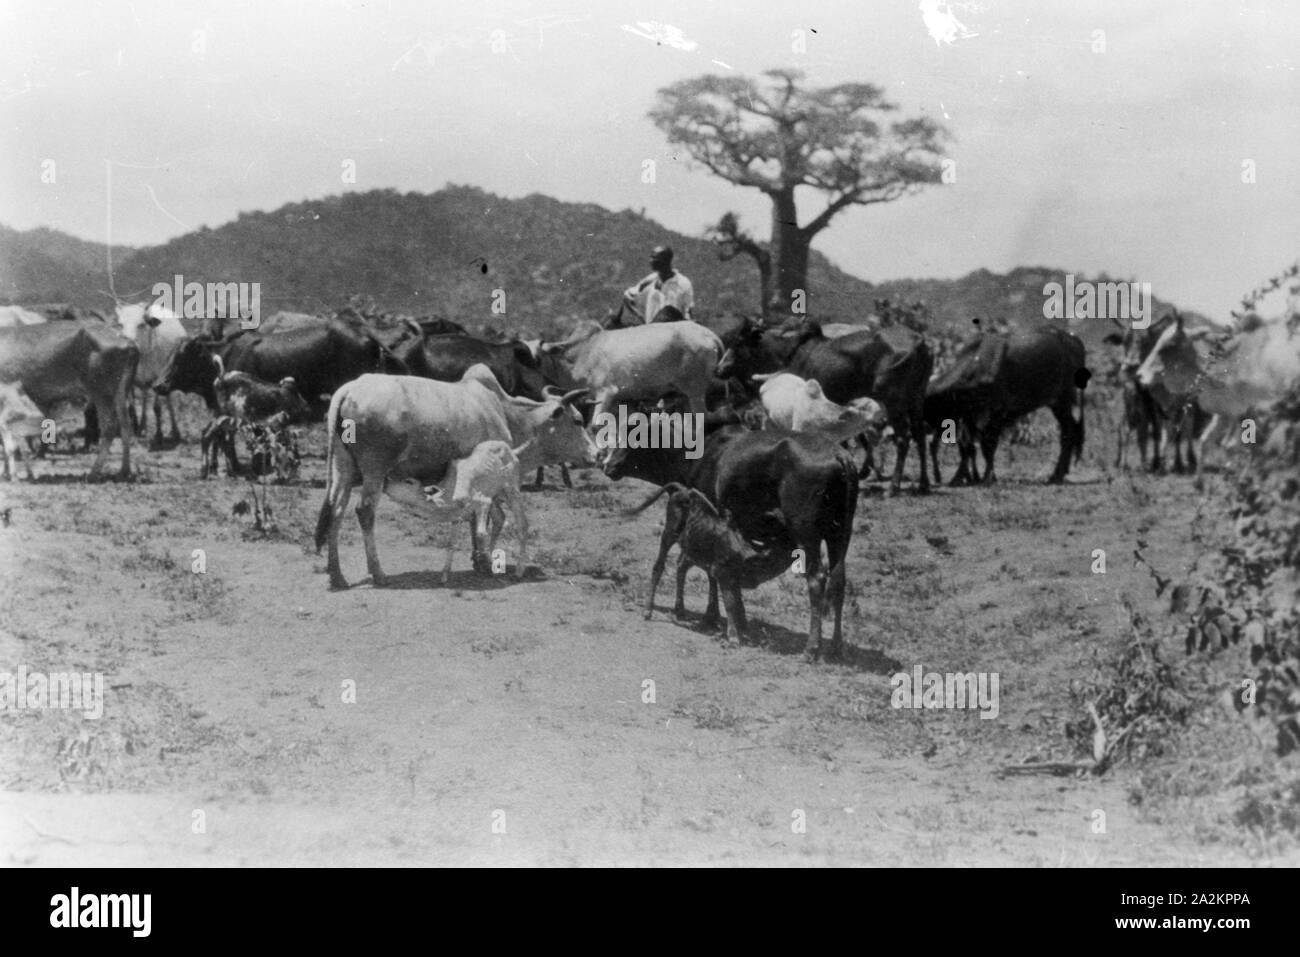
{"x": 504, "y": 722}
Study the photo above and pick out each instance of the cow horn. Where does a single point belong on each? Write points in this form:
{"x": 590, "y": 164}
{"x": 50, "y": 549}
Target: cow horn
{"x": 572, "y": 396}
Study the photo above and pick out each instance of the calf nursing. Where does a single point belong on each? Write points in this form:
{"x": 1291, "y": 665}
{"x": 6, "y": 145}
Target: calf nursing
{"x": 709, "y": 539}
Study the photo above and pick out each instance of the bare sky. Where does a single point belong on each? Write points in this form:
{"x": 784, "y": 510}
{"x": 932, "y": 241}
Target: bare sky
{"x": 1128, "y": 160}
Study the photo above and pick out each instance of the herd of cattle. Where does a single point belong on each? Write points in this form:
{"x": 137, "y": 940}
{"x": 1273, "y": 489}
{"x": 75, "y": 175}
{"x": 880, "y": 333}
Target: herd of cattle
{"x": 447, "y": 423}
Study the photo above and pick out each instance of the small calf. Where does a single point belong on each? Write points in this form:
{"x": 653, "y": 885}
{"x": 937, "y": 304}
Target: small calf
{"x": 19, "y": 418}
{"x": 245, "y": 399}
{"x": 472, "y": 488}
{"x": 709, "y": 539}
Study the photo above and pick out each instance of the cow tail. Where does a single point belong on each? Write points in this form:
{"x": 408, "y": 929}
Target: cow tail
{"x": 326, "y": 508}
{"x": 670, "y": 487}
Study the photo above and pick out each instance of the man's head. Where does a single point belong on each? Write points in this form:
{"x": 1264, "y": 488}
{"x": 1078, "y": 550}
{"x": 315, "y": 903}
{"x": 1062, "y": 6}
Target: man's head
{"x": 661, "y": 259}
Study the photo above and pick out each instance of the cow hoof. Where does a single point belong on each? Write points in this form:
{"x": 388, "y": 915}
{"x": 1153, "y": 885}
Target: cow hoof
{"x": 679, "y": 614}
{"x": 811, "y": 655}
{"x": 893, "y": 491}
{"x": 1056, "y": 480}
{"x": 338, "y": 583}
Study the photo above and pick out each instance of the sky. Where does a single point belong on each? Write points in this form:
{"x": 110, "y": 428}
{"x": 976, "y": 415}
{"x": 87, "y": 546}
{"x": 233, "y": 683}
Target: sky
{"x": 1127, "y": 155}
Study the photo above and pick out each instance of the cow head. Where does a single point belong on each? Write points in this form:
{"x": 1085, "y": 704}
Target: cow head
{"x": 193, "y": 367}
{"x": 1172, "y": 364}
{"x": 293, "y": 406}
{"x": 557, "y": 426}
{"x": 749, "y": 350}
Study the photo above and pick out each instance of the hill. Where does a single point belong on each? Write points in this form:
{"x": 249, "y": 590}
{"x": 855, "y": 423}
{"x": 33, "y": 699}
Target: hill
{"x": 425, "y": 253}
{"x": 45, "y": 265}
{"x": 1016, "y": 297}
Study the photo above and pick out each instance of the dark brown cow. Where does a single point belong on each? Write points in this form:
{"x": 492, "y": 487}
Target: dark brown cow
{"x": 710, "y": 540}
{"x": 786, "y": 490}
{"x": 891, "y": 366}
{"x": 319, "y": 359}
{"x": 996, "y": 379}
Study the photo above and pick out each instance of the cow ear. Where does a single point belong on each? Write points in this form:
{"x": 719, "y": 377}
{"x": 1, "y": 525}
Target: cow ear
{"x": 813, "y": 388}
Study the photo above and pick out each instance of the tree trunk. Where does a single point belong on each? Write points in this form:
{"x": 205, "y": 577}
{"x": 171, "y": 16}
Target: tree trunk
{"x": 789, "y": 253}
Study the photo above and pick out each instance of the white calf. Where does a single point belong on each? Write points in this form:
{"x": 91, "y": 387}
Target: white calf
{"x": 472, "y": 488}
{"x": 19, "y": 418}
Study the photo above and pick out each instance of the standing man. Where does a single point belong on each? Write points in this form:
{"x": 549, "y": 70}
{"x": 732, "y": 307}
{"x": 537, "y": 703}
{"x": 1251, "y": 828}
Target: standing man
{"x": 664, "y": 295}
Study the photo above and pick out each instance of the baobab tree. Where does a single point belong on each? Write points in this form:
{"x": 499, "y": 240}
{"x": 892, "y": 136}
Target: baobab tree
{"x": 775, "y": 136}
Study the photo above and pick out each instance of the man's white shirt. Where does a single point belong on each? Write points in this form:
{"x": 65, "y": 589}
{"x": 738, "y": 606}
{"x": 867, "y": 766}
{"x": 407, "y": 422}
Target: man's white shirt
{"x": 653, "y": 293}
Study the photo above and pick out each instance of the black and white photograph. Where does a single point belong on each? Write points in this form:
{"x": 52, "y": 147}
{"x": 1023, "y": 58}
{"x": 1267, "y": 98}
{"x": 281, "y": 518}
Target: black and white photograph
{"x": 702, "y": 434}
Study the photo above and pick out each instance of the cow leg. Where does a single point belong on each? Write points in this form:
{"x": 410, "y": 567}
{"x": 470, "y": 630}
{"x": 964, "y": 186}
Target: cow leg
{"x": 917, "y": 425}
{"x": 934, "y": 457}
{"x": 711, "y": 617}
{"x": 205, "y": 447}
{"x": 520, "y": 518}
{"x": 816, "y": 578}
{"x": 338, "y": 489}
{"x": 537, "y": 483}
{"x": 122, "y": 408}
{"x": 106, "y": 413}
{"x": 482, "y": 558}
{"x": 679, "y": 604}
{"x": 1176, "y": 430}
{"x": 171, "y": 414}
{"x": 137, "y": 422}
{"x": 1068, "y": 430}
{"x": 989, "y": 446}
{"x": 450, "y": 540}
{"x": 868, "y": 463}
{"x": 736, "y": 625}
{"x": 657, "y": 571}
{"x": 157, "y": 421}
{"x": 1216, "y": 425}
{"x": 564, "y": 474}
{"x": 227, "y": 437}
{"x": 835, "y": 598}
{"x": 371, "y": 488}
{"x": 1157, "y": 447}
{"x": 900, "y": 444}
{"x": 967, "y": 472}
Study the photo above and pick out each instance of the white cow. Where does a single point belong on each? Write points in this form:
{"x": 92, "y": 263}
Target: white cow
{"x": 472, "y": 488}
{"x": 387, "y": 428}
{"x": 19, "y": 418}
{"x": 799, "y": 405}
{"x": 157, "y": 331}
{"x": 1247, "y": 374}
{"x": 642, "y": 362}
